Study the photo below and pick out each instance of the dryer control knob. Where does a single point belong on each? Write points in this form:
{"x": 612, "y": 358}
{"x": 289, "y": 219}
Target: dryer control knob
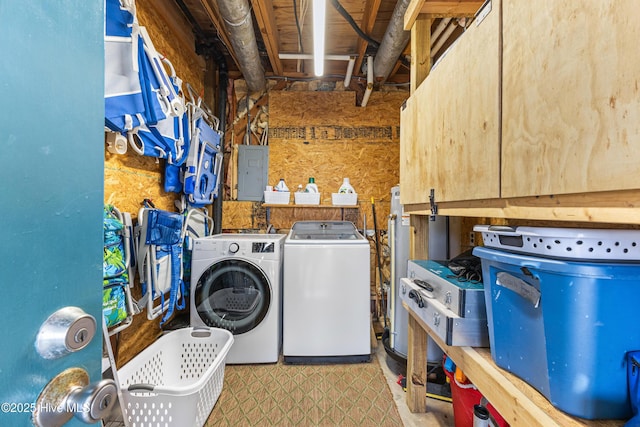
{"x": 234, "y": 248}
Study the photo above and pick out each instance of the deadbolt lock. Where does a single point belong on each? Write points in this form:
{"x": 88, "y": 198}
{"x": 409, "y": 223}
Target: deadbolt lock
{"x": 65, "y": 331}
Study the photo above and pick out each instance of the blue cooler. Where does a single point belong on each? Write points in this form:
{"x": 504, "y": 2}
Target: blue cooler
{"x": 564, "y": 326}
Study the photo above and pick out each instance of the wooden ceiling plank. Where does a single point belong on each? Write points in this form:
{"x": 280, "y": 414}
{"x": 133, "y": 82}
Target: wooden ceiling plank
{"x": 211, "y": 8}
{"x": 368, "y": 21}
{"x": 451, "y": 7}
{"x": 263, "y": 9}
{"x": 440, "y": 9}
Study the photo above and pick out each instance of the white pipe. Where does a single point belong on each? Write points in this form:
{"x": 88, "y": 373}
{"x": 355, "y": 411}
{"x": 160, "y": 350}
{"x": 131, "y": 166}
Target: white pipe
{"x": 309, "y": 56}
{"x": 347, "y": 77}
{"x": 445, "y": 36}
{"x": 439, "y": 29}
{"x": 392, "y": 276}
{"x": 367, "y": 92}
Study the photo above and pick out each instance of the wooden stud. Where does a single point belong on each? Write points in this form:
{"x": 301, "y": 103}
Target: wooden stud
{"x": 412, "y": 13}
{"x": 419, "y": 241}
{"x": 211, "y": 8}
{"x": 416, "y": 380}
{"x": 420, "y": 51}
{"x": 369, "y": 19}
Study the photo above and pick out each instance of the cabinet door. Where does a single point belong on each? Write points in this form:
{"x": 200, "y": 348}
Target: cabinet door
{"x": 571, "y": 97}
{"x": 456, "y": 117}
{"x": 413, "y": 156}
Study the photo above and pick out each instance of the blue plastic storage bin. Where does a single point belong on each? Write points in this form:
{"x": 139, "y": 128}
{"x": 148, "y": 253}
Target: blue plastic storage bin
{"x": 564, "y": 327}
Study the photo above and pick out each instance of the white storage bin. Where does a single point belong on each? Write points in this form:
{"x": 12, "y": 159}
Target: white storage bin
{"x": 177, "y": 380}
{"x": 344, "y": 199}
{"x": 277, "y": 197}
{"x": 302, "y": 198}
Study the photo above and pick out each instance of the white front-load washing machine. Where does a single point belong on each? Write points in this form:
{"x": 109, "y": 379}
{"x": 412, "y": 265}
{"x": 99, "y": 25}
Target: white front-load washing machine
{"x": 236, "y": 284}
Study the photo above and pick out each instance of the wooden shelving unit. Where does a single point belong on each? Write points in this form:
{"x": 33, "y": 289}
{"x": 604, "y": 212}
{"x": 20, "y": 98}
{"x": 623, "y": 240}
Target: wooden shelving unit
{"x": 270, "y": 206}
{"x": 518, "y": 402}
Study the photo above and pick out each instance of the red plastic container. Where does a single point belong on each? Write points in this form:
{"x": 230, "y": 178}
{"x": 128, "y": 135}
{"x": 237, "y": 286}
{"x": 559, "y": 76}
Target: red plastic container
{"x": 464, "y": 397}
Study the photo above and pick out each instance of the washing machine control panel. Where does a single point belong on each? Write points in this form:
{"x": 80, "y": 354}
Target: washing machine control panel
{"x": 263, "y": 247}
{"x": 245, "y": 248}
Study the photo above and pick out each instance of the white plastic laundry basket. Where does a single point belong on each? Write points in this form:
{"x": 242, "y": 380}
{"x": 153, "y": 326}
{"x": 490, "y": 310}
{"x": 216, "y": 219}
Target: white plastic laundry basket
{"x": 177, "y": 380}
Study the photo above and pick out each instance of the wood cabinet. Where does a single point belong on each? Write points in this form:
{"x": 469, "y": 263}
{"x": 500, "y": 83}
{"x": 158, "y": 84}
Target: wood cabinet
{"x": 570, "y": 97}
{"x": 569, "y": 127}
{"x": 560, "y": 142}
{"x": 450, "y": 125}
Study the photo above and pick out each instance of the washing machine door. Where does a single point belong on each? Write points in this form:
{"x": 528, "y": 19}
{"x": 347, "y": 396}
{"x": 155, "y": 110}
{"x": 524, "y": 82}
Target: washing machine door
{"x": 233, "y": 294}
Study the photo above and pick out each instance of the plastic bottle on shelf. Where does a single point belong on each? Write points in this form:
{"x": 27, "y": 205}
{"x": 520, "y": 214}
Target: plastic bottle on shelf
{"x": 346, "y": 187}
{"x": 311, "y": 186}
{"x": 281, "y": 186}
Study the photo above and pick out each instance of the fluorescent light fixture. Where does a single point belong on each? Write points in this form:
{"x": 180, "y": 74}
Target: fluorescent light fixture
{"x": 319, "y": 18}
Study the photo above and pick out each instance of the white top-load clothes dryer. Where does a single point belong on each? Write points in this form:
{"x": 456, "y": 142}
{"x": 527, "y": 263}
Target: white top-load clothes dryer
{"x": 326, "y": 294}
{"x": 236, "y": 284}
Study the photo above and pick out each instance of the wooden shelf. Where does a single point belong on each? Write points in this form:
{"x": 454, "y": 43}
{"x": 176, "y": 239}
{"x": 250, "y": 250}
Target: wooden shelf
{"x": 518, "y": 402}
{"x": 342, "y": 209}
{"x": 616, "y": 207}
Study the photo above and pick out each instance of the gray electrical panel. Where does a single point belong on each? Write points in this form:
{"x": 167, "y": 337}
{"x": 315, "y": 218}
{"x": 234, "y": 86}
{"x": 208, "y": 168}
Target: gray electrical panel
{"x": 253, "y": 169}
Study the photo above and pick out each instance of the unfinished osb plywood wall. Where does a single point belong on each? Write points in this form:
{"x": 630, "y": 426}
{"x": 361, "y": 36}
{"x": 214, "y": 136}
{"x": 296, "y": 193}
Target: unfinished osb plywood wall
{"x": 130, "y": 178}
{"x": 326, "y": 136}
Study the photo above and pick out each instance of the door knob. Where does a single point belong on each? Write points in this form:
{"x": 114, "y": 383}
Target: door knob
{"x": 69, "y": 394}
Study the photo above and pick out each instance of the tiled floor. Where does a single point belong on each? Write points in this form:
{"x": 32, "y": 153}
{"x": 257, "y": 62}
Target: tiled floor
{"x": 439, "y": 413}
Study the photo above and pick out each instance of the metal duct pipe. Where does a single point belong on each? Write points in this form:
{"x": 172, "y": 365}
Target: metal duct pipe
{"x": 394, "y": 40}
{"x": 237, "y": 18}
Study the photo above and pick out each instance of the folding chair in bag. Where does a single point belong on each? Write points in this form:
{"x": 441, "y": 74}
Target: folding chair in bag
{"x": 118, "y": 306}
{"x": 201, "y": 171}
{"x": 160, "y": 238}
{"x": 142, "y": 101}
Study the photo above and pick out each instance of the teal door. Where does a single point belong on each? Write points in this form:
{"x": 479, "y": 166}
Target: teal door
{"x": 51, "y": 190}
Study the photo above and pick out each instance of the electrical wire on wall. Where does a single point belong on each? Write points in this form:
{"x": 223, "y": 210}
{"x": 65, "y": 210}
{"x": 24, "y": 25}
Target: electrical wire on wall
{"x": 341, "y": 10}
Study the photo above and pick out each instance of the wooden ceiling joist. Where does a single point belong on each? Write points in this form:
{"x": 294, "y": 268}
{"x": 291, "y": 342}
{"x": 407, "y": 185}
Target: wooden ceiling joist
{"x": 368, "y": 21}
{"x": 263, "y": 10}
{"x": 440, "y": 9}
